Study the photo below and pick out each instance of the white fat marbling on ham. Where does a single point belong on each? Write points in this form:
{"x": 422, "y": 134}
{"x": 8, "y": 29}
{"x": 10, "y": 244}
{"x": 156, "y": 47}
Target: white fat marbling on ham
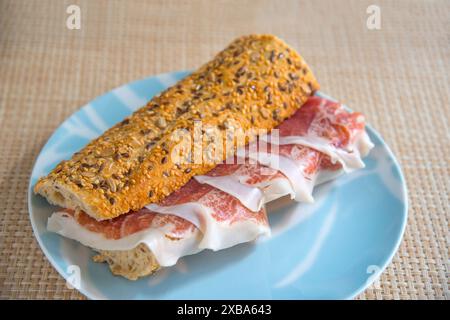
{"x": 223, "y": 220}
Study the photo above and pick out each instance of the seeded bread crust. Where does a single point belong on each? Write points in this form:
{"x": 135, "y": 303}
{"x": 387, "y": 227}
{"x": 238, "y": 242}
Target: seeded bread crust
{"x": 256, "y": 82}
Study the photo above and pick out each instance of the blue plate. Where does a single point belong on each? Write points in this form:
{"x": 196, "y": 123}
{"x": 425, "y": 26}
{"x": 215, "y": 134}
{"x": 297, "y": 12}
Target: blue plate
{"x": 332, "y": 249}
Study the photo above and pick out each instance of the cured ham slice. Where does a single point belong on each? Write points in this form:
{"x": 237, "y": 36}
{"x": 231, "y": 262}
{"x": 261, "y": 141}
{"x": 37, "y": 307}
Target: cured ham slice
{"x": 222, "y": 218}
{"x": 293, "y": 173}
{"x": 325, "y": 126}
{"x": 311, "y": 147}
{"x": 169, "y": 237}
{"x": 224, "y": 221}
{"x": 253, "y": 184}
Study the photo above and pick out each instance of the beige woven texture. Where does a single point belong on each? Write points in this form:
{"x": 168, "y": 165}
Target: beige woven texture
{"x": 397, "y": 76}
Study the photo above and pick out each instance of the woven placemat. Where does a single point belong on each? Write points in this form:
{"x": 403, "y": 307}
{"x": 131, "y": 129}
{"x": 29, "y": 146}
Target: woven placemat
{"x": 397, "y": 76}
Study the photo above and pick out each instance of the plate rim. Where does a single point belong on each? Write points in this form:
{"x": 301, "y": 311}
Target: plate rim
{"x": 405, "y": 213}
{"x": 374, "y": 132}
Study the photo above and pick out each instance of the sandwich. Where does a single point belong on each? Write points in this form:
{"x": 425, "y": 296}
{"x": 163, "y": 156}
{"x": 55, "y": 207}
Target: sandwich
{"x": 197, "y": 167}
